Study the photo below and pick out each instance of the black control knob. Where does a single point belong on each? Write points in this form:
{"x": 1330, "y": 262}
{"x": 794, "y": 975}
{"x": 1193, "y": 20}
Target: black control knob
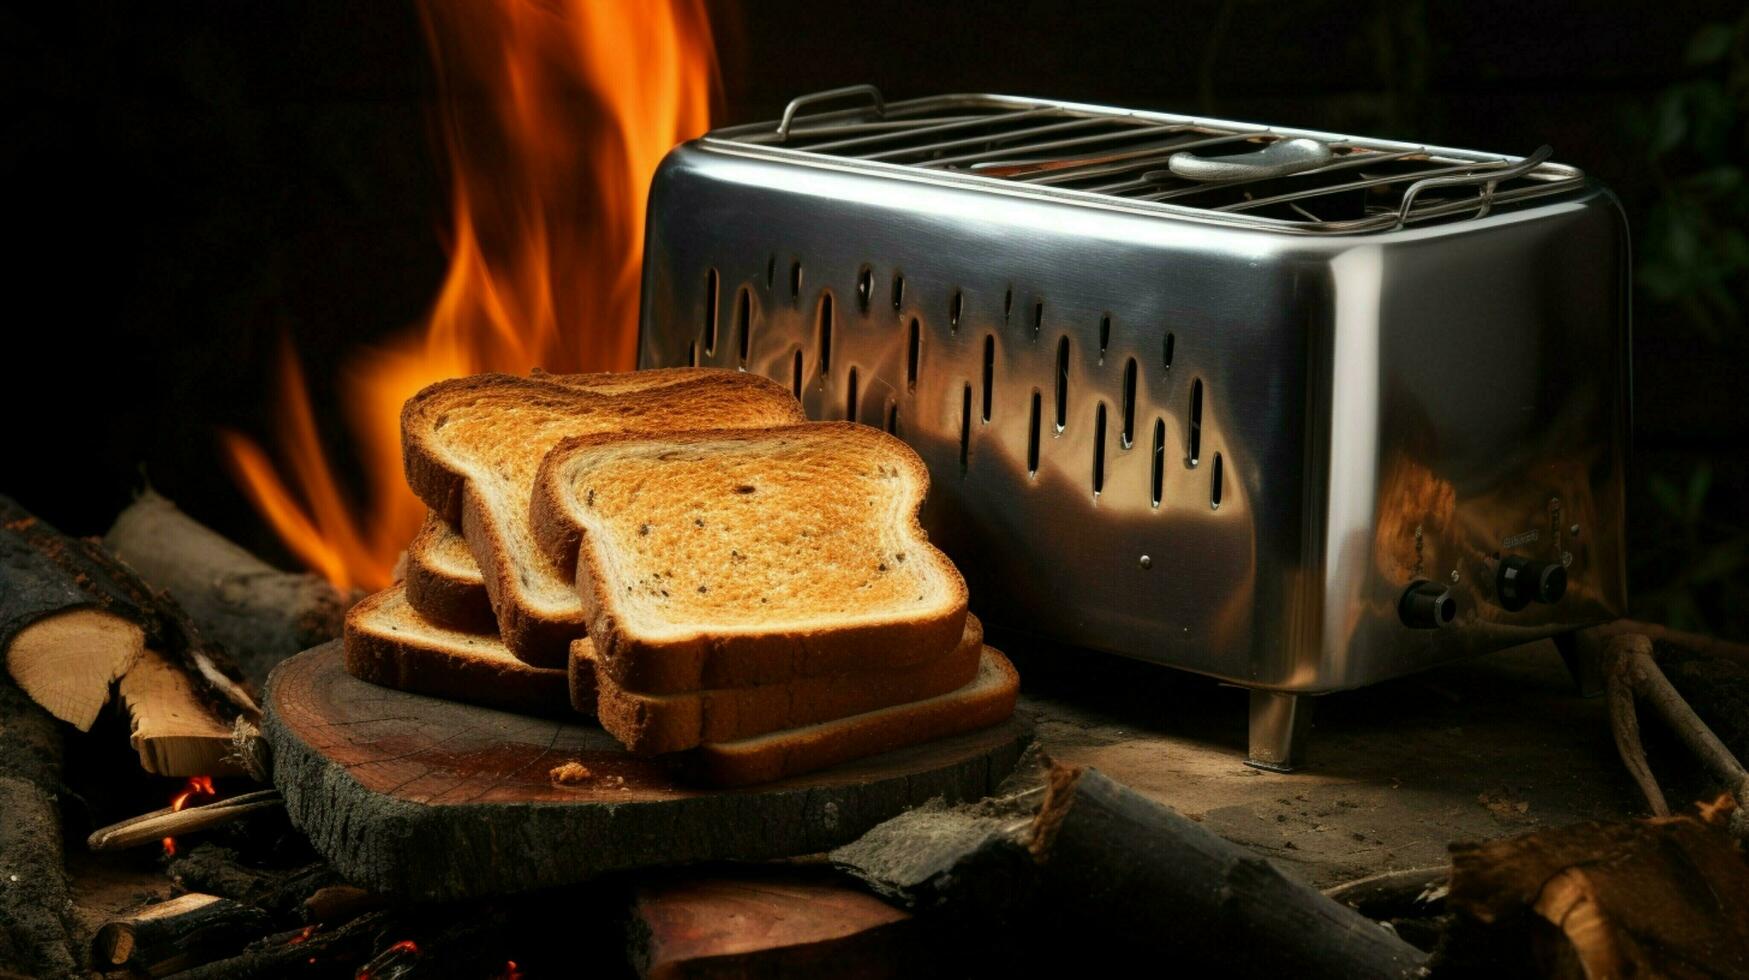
{"x": 1426, "y": 606}
{"x": 1522, "y": 581}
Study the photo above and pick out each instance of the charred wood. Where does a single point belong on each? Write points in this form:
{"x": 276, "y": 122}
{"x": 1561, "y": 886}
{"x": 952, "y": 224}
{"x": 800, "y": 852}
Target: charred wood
{"x": 185, "y": 931}
{"x": 35, "y": 927}
{"x": 220, "y": 871}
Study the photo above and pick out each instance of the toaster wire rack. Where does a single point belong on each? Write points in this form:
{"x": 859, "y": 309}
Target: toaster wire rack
{"x": 1297, "y": 410}
{"x": 1344, "y": 184}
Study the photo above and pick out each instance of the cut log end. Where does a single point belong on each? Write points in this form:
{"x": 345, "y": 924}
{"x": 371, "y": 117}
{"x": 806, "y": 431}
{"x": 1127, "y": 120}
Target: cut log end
{"x": 174, "y": 732}
{"x": 66, "y": 662}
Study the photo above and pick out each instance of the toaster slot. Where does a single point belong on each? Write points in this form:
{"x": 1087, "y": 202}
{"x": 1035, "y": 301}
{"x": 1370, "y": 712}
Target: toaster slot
{"x": 1166, "y": 353}
{"x": 795, "y": 380}
{"x": 1063, "y": 383}
{"x": 914, "y": 355}
{"x": 1157, "y": 478}
{"x": 1129, "y": 403}
{"x": 1215, "y": 476}
{"x": 1032, "y": 425}
{"x": 710, "y": 315}
{"x": 1099, "y": 450}
{"x": 743, "y": 323}
{"x": 823, "y": 333}
{"x": 989, "y": 372}
{"x": 1193, "y": 446}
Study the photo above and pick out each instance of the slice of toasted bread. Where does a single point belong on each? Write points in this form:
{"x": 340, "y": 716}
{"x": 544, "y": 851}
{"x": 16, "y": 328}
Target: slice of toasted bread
{"x": 650, "y": 724}
{"x": 444, "y": 583}
{"x": 988, "y": 700}
{"x": 471, "y": 447}
{"x": 388, "y": 643}
{"x": 736, "y": 558}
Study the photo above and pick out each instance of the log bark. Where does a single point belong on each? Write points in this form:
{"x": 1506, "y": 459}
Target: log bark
{"x": 35, "y": 927}
{"x": 301, "y": 952}
{"x": 150, "y": 828}
{"x": 186, "y": 931}
{"x": 46, "y": 575}
{"x": 1084, "y": 855}
{"x": 219, "y": 871}
{"x": 257, "y": 612}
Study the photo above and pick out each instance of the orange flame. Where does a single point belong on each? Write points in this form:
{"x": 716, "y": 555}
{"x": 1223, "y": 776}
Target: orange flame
{"x": 196, "y": 786}
{"x": 554, "y": 115}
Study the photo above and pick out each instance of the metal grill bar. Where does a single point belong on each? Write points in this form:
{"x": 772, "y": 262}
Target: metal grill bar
{"x": 1046, "y": 149}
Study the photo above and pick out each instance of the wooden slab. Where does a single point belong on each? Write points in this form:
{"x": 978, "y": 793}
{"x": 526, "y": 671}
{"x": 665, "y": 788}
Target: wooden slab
{"x": 421, "y": 798}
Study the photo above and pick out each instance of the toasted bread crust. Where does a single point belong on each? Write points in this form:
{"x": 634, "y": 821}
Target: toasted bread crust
{"x": 732, "y": 660}
{"x": 541, "y": 636}
{"x": 782, "y": 754}
{"x": 438, "y": 592}
{"x": 472, "y": 668}
{"x": 649, "y": 725}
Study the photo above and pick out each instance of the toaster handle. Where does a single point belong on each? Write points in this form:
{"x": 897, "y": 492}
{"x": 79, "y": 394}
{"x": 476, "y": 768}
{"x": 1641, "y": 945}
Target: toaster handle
{"x": 1489, "y": 179}
{"x": 1281, "y": 158}
{"x": 795, "y": 105}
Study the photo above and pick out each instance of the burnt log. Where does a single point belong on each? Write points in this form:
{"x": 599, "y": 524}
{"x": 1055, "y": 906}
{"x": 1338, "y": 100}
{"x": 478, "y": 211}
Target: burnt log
{"x": 218, "y": 870}
{"x": 35, "y": 927}
{"x": 183, "y": 932}
{"x": 73, "y": 619}
{"x": 310, "y": 951}
{"x": 260, "y": 614}
{"x": 1082, "y": 854}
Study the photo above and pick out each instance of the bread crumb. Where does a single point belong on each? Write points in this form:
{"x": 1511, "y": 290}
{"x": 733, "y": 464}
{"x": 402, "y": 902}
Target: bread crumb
{"x": 570, "y": 774}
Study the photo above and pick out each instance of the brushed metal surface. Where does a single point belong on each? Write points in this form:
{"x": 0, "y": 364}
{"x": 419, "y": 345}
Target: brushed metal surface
{"x": 1373, "y": 408}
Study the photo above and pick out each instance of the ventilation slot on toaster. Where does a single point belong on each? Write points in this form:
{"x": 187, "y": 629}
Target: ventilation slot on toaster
{"x": 692, "y": 354}
{"x": 898, "y": 290}
{"x": 965, "y": 425}
{"x": 864, "y": 287}
{"x": 1008, "y": 304}
{"x": 1104, "y": 336}
{"x": 795, "y": 380}
{"x": 770, "y": 270}
{"x": 850, "y": 397}
{"x": 1038, "y": 318}
{"x": 1099, "y": 450}
{"x": 744, "y": 323}
{"x": 1193, "y": 447}
{"x": 989, "y": 373}
{"x": 1157, "y": 479}
{"x": 1063, "y": 383}
{"x": 954, "y": 309}
{"x": 892, "y": 418}
{"x": 825, "y": 334}
{"x": 710, "y": 314}
{"x": 1215, "y": 484}
{"x": 795, "y": 279}
{"x": 1166, "y": 356}
{"x": 913, "y": 354}
{"x": 1032, "y": 425}
{"x": 1129, "y": 403}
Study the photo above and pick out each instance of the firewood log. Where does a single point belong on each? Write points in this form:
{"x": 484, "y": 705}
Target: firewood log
{"x": 35, "y": 929}
{"x": 1082, "y": 855}
{"x": 260, "y": 614}
{"x": 73, "y": 619}
{"x": 183, "y": 932}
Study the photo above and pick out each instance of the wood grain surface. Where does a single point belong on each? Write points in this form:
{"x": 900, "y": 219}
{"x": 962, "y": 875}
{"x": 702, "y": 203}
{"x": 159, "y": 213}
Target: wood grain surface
{"x": 423, "y": 798}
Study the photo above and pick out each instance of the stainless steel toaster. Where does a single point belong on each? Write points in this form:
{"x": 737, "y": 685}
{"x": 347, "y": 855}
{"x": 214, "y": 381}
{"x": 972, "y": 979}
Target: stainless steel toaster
{"x": 1297, "y": 410}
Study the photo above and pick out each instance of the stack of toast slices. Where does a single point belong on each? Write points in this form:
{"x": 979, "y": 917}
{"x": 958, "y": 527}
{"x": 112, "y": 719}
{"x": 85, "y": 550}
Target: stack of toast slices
{"x": 680, "y": 554}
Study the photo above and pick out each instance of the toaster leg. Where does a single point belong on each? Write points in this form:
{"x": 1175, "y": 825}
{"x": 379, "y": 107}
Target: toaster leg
{"x": 1584, "y": 660}
{"x": 1279, "y": 723}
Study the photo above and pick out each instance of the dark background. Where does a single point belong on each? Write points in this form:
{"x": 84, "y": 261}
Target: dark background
{"x": 187, "y": 183}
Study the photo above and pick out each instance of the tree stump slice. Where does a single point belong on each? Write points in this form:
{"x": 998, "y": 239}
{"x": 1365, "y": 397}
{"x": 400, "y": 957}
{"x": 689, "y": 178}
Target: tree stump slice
{"x": 420, "y": 798}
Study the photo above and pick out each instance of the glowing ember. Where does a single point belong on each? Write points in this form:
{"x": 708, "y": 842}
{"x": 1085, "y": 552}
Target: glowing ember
{"x": 196, "y": 786}
{"x": 549, "y": 169}
{"x": 303, "y": 936}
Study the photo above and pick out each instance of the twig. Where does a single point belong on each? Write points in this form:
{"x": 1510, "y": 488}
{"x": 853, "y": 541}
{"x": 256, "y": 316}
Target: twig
{"x": 1632, "y": 673}
{"x": 148, "y": 828}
